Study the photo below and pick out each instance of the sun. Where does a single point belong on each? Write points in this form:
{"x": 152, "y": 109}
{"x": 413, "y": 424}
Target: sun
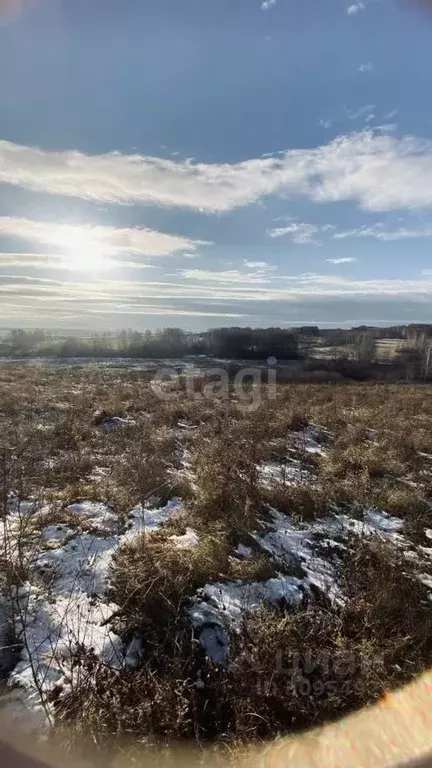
{"x": 83, "y": 250}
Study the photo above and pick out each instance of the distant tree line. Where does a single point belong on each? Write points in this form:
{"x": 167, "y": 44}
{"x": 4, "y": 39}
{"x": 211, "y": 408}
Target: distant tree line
{"x": 336, "y": 337}
{"x": 351, "y": 352}
{"x": 232, "y": 343}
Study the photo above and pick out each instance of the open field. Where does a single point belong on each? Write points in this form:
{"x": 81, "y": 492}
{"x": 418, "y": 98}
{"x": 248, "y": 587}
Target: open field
{"x": 385, "y": 350}
{"x": 177, "y": 566}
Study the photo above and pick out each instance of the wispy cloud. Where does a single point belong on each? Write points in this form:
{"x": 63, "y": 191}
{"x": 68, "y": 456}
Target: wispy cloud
{"x": 366, "y": 67}
{"x": 224, "y": 295}
{"x": 386, "y": 127}
{"x": 342, "y": 260}
{"x": 302, "y": 232}
{"x": 380, "y": 172}
{"x": 305, "y": 233}
{"x": 38, "y": 261}
{"x": 365, "y": 111}
{"x": 263, "y": 265}
{"x": 109, "y": 240}
{"x": 256, "y": 273}
{"x": 31, "y": 260}
{"x": 379, "y": 232}
{"x": 207, "y": 286}
{"x": 212, "y": 294}
{"x": 355, "y": 8}
{"x": 268, "y": 4}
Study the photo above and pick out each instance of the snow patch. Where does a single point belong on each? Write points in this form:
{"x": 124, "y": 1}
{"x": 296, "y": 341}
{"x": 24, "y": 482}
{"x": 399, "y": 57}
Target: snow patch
{"x": 287, "y": 473}
{"x": 221, "y": 607}
{"x": 189, "y": 539}
{"x": 102, "y": 516}
{"x": 288, "y": 543}
{"x": 308, "y": 439}
{"x": 293, "y": 544}
{"x": 58, "y": 533}
{"x": 143, "y": 519}
{"x": 243, "y": 551}
{"x": 17, "y": 507}
{"x": 426, "y": 579}
{"x": 64, "y": 610}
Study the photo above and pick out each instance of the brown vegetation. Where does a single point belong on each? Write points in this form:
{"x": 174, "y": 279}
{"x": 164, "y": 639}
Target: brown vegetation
{"x": 355, "y": 446}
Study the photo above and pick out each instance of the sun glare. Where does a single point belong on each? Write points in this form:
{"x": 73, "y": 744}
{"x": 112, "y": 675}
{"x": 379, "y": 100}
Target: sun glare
{"x": 83, "y": 251}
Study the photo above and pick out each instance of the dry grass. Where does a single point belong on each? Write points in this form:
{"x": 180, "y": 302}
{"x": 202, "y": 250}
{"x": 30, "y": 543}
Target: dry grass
{"x": 300, "y": 669}
{"x": 226, "y": 477}
{"x": 286, "y": 670}
{"x": 301, "y": 501}
{"x": 111, "y": 709}
{"x": 371, "y": 436}
{"x": 154, "y": 579}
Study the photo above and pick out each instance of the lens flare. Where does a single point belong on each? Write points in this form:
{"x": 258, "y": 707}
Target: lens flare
{"x": 10, "y": 9}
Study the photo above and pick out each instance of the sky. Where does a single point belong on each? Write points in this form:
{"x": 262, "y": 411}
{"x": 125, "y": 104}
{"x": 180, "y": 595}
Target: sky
{"x": 201, "y": 163}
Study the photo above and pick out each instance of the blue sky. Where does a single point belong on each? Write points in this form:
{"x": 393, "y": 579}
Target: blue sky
{"x": 215, "y": 162}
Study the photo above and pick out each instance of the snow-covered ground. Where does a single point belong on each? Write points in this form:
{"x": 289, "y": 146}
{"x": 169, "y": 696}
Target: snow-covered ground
{"x": 221, "y": 607}
{"x": 63, "y": 607}
{"x": 290, "y": 472}
{"x": 311, "y": 549}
